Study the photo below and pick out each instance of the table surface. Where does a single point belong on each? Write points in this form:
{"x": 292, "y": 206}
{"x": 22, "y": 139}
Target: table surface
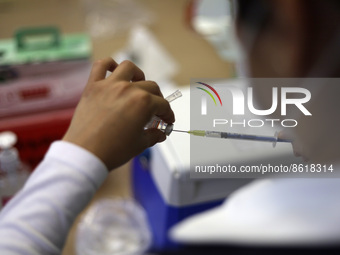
{"x": 195, "y": 56}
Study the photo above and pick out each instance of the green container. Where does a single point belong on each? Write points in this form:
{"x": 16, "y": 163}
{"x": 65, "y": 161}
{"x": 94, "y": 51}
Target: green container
{"x": 43, "y": 44}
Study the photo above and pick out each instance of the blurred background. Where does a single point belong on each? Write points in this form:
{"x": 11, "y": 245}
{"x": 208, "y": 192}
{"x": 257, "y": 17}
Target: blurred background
{"x": 167, "y": 20}
{"x": 47, "y": 47}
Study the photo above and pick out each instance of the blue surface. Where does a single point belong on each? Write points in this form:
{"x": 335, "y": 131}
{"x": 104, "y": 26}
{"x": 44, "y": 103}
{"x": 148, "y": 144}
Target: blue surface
{"x": 161, "y": 216}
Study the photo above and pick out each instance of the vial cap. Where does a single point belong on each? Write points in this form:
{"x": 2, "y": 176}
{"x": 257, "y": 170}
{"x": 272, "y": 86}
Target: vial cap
{"x": 174, "y": 96}
{"x": 169, "y": 129}
{"x": 7, "y": 139}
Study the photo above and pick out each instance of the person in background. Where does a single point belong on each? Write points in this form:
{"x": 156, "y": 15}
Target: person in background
{"x": 287, "y": 39}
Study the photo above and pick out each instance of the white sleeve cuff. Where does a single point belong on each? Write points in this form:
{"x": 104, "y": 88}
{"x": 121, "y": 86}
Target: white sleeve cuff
{"x": 79, "y": 158}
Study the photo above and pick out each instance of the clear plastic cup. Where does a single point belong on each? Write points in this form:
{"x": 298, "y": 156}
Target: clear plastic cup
{"x": 113, "y": 226}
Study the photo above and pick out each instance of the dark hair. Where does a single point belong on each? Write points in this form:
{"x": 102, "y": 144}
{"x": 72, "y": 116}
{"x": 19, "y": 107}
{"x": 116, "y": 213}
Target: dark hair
{"x": 257, "y": 13}
{"x": 323, "y": 19}
{"x": 253, "y": 13}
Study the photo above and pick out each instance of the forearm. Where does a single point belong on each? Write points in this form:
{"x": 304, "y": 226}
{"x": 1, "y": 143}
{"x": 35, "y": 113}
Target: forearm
{"x": 37, "y": 220}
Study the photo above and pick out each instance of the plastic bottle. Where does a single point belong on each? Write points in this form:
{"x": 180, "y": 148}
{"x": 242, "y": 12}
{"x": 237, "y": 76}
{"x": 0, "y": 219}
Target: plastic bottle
{"x": 113, "y": 226}
{"x": 13, "y": 173}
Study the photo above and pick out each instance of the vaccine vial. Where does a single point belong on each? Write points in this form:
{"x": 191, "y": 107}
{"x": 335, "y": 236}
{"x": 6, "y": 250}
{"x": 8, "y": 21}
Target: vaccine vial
{"x": 13, "y": 173}
{"x": 158, "y": 123}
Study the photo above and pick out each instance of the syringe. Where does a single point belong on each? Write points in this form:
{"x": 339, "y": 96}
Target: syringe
{"x": 227, "y": 135}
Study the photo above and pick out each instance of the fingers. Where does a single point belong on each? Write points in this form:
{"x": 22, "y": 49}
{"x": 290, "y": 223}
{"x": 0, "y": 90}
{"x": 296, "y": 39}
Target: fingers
{"x": 127, "y": 71}
{"x": 162, "y": 109}
{"x": 149, "y": 86}
{"x": 284, "y": 135}
{"x": 151, "y": 137}
{"x": 298, "y": 149}
{"x": 100, "y": 67}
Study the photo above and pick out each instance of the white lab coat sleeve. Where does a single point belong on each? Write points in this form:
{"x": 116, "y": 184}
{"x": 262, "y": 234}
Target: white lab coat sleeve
{"x": 38, "y": 218}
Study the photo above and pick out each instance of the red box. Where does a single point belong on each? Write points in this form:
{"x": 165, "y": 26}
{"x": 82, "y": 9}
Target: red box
{"x": 37, "y": 131}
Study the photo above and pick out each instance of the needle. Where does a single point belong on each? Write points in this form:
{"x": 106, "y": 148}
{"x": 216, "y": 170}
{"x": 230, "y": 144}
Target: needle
{"x": 182, "y": 131}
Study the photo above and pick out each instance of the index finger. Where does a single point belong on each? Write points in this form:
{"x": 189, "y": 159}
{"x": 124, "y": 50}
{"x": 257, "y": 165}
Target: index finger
{"x": 100, "y": 67}
{"x": 127, "y": 71}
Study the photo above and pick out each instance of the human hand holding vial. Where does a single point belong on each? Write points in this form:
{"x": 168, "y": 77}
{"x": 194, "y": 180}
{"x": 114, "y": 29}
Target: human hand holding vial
{"x": 158, "y": 123}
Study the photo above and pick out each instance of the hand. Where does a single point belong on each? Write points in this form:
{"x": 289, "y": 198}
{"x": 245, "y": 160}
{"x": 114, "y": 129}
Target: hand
{"x": 297, "y": 146}
{"x": 110, "y": 117}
